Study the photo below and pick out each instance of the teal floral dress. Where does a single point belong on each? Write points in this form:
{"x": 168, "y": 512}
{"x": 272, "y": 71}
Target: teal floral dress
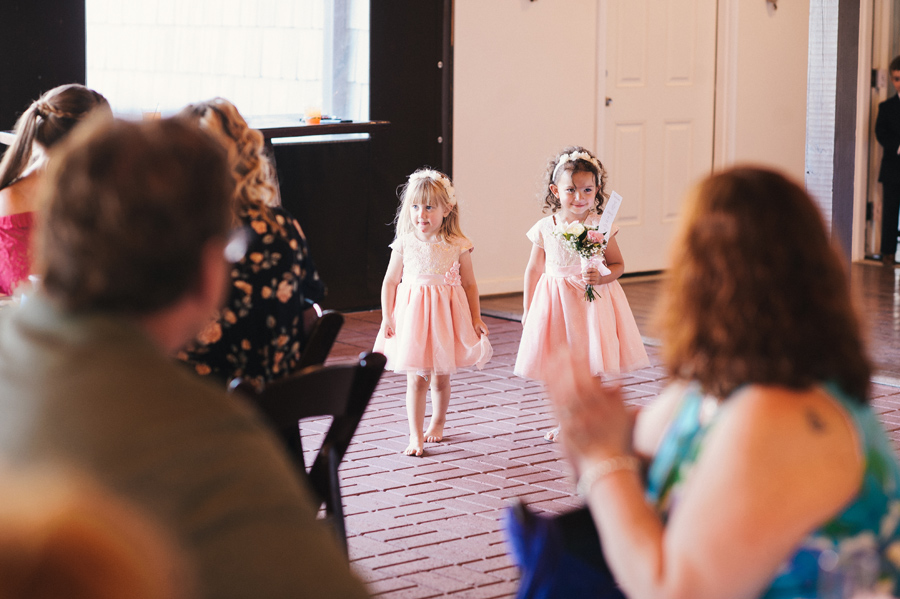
{"x": 869, "y": 525}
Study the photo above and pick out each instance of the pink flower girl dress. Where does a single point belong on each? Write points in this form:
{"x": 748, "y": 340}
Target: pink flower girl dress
{"x": 559, "y": 315}
{"x": 433, "y": 324}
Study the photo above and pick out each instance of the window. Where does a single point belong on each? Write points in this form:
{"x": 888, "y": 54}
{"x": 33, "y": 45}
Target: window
{"x": 268, "y": 57}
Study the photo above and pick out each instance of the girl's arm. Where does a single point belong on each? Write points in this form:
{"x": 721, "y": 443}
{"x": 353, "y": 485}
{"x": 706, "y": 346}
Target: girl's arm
{"x": 778, "y": 463}
{"x": 533, "y": 273}
{"x": 389, "y": 292}
{"x": 467, "y": 274}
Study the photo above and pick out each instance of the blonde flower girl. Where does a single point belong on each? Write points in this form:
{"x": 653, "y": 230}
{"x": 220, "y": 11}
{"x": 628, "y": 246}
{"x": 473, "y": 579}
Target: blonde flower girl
{"x": 431, "y": 316}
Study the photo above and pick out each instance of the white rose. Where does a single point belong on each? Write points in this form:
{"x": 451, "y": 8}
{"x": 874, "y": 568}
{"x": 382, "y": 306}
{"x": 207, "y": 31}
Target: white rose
{"x": 575, "y": 229}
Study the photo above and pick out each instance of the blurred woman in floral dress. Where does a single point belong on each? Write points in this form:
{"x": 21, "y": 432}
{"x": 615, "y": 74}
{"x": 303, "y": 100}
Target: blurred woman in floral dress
{"x": 259, "y": 332}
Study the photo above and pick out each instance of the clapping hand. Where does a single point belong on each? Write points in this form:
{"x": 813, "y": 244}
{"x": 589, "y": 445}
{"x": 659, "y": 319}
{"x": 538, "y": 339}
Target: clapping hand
{"x": 594, "y": 422}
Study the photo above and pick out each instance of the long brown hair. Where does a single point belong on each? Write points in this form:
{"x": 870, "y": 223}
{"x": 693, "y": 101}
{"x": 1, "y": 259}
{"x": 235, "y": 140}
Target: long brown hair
{"x": 45, "y": 122}
{"x": 757, "y": 293}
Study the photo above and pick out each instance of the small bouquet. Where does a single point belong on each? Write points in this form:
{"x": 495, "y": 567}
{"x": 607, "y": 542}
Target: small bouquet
{"x": 590, "y": 245}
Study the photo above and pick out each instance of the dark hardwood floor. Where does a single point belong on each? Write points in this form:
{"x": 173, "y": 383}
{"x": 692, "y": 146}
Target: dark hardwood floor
{"x": 876, "y": 288}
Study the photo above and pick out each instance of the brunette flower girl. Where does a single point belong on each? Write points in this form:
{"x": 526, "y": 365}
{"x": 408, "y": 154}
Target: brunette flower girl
{"x": 556, "y": 311}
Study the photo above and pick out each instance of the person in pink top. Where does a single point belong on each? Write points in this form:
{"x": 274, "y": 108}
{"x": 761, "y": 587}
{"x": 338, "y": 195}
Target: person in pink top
{"x": 48, "y": 120}
{"x": 431, "y": 316}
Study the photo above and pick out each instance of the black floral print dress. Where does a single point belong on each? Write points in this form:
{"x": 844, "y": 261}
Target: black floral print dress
{"x": 259, "y": 332}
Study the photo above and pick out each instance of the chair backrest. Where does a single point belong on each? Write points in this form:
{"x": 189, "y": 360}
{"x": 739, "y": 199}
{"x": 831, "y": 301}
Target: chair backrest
{"x": 321, "y": 330}
{"x": 341, "y": 391}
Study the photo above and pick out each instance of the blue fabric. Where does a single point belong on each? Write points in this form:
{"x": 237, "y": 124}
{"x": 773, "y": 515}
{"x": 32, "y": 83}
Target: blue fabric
{"x": 559, "y": 557}
{"x": 869, "y": 523}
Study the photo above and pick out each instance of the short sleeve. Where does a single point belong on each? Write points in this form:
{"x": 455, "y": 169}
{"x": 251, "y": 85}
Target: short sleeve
{"x": 536, "y": 235}
{"x": 465, "y": 245}
{"x": 397, "y": 245}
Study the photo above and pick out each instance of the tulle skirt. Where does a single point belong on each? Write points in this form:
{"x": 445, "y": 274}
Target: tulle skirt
{"x": 433, "y": 332}
{"x": 560, "y": 316}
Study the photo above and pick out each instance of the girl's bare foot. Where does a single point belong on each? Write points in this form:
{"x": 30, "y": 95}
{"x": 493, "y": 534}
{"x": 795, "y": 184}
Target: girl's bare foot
{"x": 434, "y": 434}
{"x": 552, "y": 435}
{"x": 416, "y": 448}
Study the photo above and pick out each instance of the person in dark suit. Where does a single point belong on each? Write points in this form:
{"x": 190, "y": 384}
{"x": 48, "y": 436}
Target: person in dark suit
{"x": 887, "y": 130}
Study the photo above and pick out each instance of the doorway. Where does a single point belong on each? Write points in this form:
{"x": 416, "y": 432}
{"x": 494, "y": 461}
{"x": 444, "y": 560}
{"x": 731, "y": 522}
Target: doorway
{"x": 885, "y": 45}
{"x": 657, "y": 115}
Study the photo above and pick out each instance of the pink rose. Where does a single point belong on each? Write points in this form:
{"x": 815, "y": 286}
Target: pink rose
{"x": 451, "y": 277}
{"x": 595, "y": 236}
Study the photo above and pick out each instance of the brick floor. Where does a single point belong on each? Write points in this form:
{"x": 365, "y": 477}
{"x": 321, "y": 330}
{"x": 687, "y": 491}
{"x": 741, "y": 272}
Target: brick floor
{"x": 430, "y": 526}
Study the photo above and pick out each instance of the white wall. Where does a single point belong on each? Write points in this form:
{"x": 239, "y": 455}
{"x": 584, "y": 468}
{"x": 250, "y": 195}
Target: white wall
{"x": 524, "y": 88}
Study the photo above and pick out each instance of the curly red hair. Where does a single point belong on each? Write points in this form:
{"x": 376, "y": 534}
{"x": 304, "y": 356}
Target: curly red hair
{"x": 757, "y": 294}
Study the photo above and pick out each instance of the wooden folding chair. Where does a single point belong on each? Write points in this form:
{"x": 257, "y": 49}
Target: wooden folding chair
{"x": 321, "y": 330}
{"x": 341, "y": 391}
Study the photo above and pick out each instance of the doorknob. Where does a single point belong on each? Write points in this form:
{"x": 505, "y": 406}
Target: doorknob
{"x": 608, "y": 100}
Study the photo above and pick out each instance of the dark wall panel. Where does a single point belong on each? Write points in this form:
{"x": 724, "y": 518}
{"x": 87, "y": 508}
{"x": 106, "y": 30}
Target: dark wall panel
{"x": 325, "y": 187}
{"x": 42, "y": 46}
{"x": 407, "y": 45}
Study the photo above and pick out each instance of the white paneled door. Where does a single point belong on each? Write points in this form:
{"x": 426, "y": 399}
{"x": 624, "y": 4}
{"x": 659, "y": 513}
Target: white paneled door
{"x": 658, "y": 121}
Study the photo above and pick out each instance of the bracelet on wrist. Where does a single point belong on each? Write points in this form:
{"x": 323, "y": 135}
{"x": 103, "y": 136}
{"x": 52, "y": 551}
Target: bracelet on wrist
{"x": 597, "y": 471}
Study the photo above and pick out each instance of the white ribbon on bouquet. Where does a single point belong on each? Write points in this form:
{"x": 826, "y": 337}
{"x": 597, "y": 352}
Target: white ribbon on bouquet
{"x": 605, "y": 226}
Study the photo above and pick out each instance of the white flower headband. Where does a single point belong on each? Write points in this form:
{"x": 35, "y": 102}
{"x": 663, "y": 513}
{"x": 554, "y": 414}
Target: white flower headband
{"x": 572, "y": 158}
{"x": 442, "y": 179}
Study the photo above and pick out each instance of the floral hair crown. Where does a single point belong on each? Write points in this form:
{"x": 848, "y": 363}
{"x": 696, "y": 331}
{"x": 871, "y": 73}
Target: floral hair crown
{"x": 439, "y": 177}
{"x": 572, "y": 157}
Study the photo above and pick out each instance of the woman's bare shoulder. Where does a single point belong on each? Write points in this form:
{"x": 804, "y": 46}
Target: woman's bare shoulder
{"x": 807, "y": 428}
{"x": 811, "y": 412}
{"x": 20, "y": 197}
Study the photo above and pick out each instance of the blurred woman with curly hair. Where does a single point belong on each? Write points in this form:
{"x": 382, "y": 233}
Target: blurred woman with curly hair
{"x": 259, "y": 332}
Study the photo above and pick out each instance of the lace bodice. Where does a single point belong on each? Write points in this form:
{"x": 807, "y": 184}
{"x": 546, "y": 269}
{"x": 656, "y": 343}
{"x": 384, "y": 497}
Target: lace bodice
{"x": 423, "y": 258}
{"x": 557, "y": 254}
